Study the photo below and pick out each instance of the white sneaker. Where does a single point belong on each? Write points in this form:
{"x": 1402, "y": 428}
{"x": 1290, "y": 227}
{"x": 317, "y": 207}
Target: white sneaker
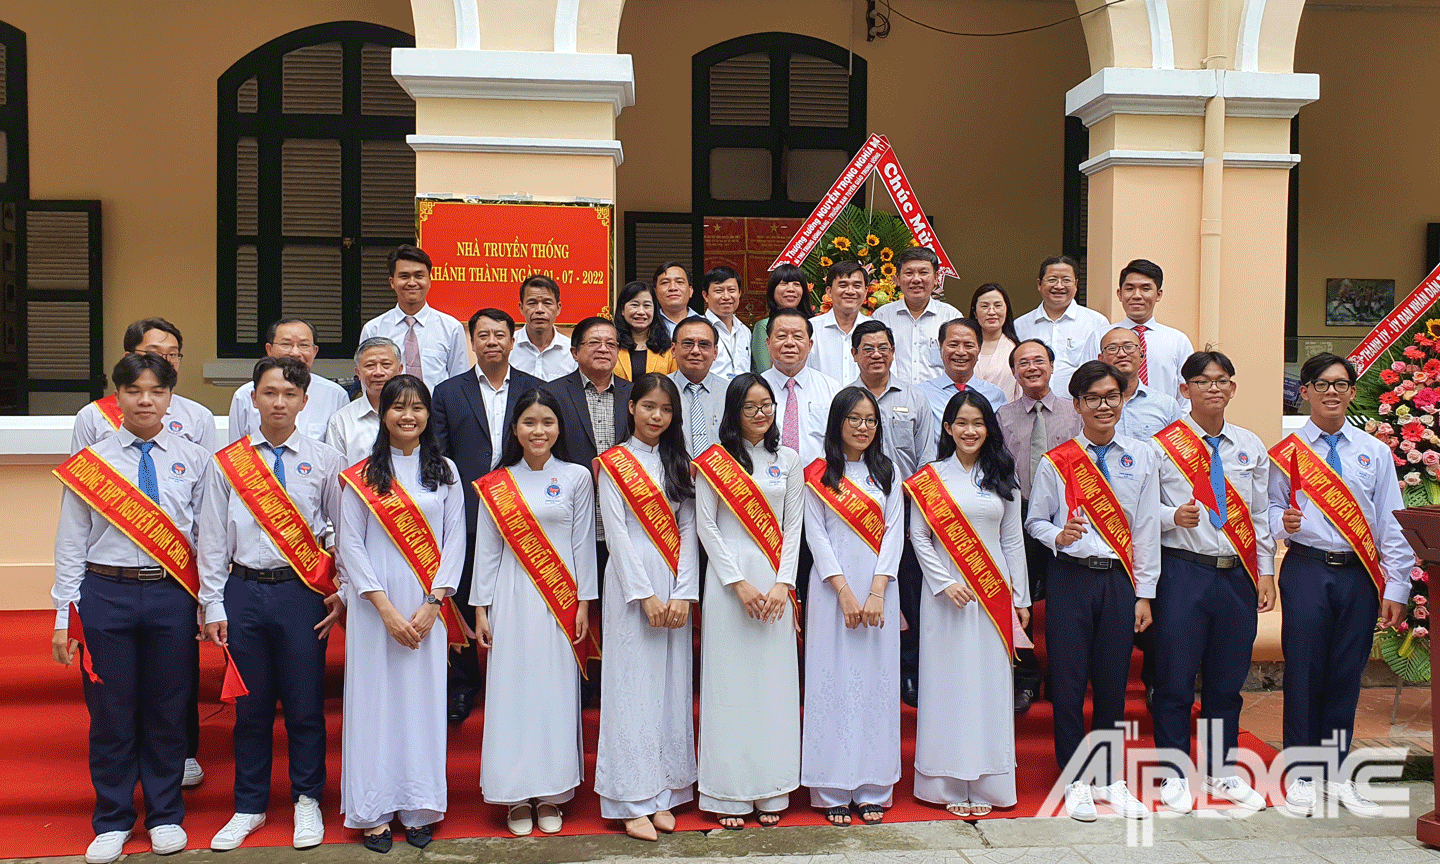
{"x": 167, "y": 839}
{"x": 309, "y": 828}
{"x": 1175, "y": 795}
{"x": 1079, "y": 804}
{"x": 106, "y": 847}
{"x": 1350, "y": 797}
{"x": 194, "y": 774}
{"x": 1234, "y": 789}
{"x": 1118, "y": 796}
{"x": 240, "y": 826}
{"x": 1300, "y": 797}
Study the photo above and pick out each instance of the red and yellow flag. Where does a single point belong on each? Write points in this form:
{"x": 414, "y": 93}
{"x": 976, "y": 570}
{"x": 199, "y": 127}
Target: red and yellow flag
{"x": 110, "y": 409}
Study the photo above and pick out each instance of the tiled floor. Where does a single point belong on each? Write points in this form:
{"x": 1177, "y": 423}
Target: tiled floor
{"x": 1262, "y": 715}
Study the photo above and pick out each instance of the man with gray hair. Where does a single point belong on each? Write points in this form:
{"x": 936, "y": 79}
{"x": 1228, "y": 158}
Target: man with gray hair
{"x": 353, "y": 429}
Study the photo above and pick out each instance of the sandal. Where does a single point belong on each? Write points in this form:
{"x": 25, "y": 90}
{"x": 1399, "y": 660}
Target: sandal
{"x": 979, "y": 809}
{"x": 731, "y": 823}
{"x": 959, "y": 808}
{"x": 768, "y": 820}
{"x": 868, "y": 810}
{"x": 835, "y": 814}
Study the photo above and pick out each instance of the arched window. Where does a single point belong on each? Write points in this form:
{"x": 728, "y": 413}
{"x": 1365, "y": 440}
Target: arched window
{"x": 315, "y": 185}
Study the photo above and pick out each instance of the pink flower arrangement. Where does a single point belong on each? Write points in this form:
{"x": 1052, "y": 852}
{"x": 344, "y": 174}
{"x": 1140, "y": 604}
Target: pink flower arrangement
{"x": 1407, "y": 401}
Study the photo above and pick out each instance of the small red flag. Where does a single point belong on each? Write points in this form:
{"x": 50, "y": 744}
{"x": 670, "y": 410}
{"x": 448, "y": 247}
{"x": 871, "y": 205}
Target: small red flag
{"x": 76, "y": 630}
{"x": 1294, "y": 480}
{"x": 234, "y": 685}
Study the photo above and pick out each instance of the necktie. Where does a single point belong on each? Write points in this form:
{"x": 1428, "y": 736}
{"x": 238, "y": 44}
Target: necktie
{"x": 149, "y": 483}
{"x": 279, "y": 466}
{"x": 790, "y": 431}
{"x": 412, "y": 350}
{"x": 1038, "y": 437}
{"x": 694, "y": 419}
{"x": 1217, "y": 482}
{"x": 1144, "y": 354}
{"x": 1333, "y": 457}
{"x": 1100, "y": 450}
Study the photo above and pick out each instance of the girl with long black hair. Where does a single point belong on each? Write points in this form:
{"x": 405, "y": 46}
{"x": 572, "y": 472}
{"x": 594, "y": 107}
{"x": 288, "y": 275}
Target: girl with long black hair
{"x": 645, "y": 765}
{"x": 855, "y": 522}
{"x": 393, "y": 761}
{"x": 639, "y": 327}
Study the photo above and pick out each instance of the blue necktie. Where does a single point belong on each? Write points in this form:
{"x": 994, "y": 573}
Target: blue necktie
{"x": 1100, "y": 450}
{"x": 279, "y": 466}
{"x": 149, "y": 483}
{"x": 1217, "y": 482}
{"x": 1333, "y": 457}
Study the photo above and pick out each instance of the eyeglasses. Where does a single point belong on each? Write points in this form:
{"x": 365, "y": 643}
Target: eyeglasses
{"x": 288, "y": 346}
{"x": 172, "y": 356}
{"x": 750, "y": 409}
{"x": 1114, "y": 350}
{"x": 1210, "y": 383}
{"x": 691, "y": 344}
{"x": 1111, "y": 400}
{"x": 872, "y": 350}
{"x": 858, "y": 422}
{"x": 600, "y": 343}
{"x": 1064, "y": 281}
{"x": 1031, "y": 364}
{"x": 1320, "y": 386}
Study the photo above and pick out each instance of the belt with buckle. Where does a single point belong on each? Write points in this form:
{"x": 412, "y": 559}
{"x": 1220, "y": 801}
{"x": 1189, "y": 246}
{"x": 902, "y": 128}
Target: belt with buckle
{"x": 1097, "y": 562}
{"x": 1334, "y": 559}
{"x": 141, "y": 574}
{"x": 250, "y": 574}
{"x": 1219, "y": 562}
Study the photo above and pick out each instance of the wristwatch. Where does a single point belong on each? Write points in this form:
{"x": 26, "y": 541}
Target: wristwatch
{"x": 432, "y": 600}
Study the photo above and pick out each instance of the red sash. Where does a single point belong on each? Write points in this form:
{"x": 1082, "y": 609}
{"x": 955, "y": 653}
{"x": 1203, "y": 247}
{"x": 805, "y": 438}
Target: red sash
{"x": 537, "y": 555}
{"x": 275, "y": 512}
{"x": 738, "y": 490}
{"x": 1087, "y": 489}
{"x": 120, "y": 501}
{"x": 110, "y": 409}
{"x": 1329, "y": 493}
{"x": 864, "y": 515}
{"x": 646, "y": 500}
{"x": 405, "y": 524}
{"x": 1192, "y": 457}
{"x": 953, "y": 530}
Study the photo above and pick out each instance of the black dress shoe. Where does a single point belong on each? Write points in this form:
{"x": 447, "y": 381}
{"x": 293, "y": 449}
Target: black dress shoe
{"x": 909, "y": 692}
{"x": 1023, "y": 698}
{"x": 378, "y": 842}
{"x": 460, "y": 704}
{"x": 419, "y": 837}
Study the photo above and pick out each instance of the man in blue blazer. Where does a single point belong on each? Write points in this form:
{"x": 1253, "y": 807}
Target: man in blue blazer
{"x": 472, "y": 413}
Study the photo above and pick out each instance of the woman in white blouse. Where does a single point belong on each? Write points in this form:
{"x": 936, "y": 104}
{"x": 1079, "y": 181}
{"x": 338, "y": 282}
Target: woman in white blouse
{"x": 645, "y": 765}
{"x": 749, "y": 666}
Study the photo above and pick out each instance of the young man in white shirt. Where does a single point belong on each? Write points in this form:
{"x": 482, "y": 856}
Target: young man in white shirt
{"x": 540, "y": 349}
{"x": 721, "y": 288}
{"x": 432, "y": 344}
{"x": 1060, "y": 321}
{"x": 290, "y": 337}
{"x": 847, "y": 284}
{"x": 1165, "y": 349}
{"x": 354, "y": 428}
{"x": 672, "y": 293}
{"x": 916, "y": 317}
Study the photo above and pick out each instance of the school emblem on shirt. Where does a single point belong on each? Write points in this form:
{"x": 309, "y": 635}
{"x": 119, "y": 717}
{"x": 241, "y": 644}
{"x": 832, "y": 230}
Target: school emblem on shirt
{"x": 1244, "y": 458}
{"x": 178, "y": 469}
{"x": 304, "y": 468}
{"x": 870, "y": 481}
{"x": 177, "y": 427}
{"x": 773, "y": 471}
{"x": 1364, "y": 460}
{"x": 1126, "y": 460}
{"x": 553, "y": 490}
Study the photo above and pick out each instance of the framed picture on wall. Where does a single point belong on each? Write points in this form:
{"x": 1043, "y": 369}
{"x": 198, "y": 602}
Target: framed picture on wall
{"x": 1358, "y": 302}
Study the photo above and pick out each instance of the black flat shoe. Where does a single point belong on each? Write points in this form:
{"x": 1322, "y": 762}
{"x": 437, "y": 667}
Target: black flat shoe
{"x": 910, "y": 692}
{"x": 459, "y": 708}
{"x": 1023, "y": 700}
{"x": 378, "y": 842}
{"x": 419, "y": 837}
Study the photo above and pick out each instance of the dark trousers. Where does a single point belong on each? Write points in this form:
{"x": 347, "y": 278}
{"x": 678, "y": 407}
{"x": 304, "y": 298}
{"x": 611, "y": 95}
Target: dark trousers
{"x": 192, "y": 718}
{"x": 1038, "y": 556}
{"x": 1205, "y": 622}
{"x": 142, "y": 643}
{"x": 1089, "y": 631}
{"x": 465, "y": 674}
{"x": 910, "y": 581}
{"x": 1325, "y": 636}
{"x": 590, "y": 687}
{"x": 277, "y": 651}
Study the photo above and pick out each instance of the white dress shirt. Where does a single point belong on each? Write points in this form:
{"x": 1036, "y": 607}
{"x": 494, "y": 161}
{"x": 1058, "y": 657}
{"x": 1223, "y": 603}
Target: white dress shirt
{"x": 1146, "y": 412}
{"x": 84, "y": 535}
{"x": 831, "y": 353}
{"x": 814, "y": 391}
{"x": 710, "y": 393}
{"x": 554, "y": 362}
{"x": 1068, "y": 336}
{"x": 1367, "y": 467}
{"x": 325, "y": 399}
{"x": 228, "y": 531}
{"x": 917, "y": 340}
{"x": 733, "y": 356}
{"x": 444, "y": 348}
{"x": 670, "y": 323}
{"x": 185, "y": 417}
{"x": 1166, "y": 350}
{"x": 353, "y": 430}
{"x": 494, "y": 399}
{"x": 1247, "y": 468}
{"x": 1134, "y": 477}
{"x": 940, "y": 390}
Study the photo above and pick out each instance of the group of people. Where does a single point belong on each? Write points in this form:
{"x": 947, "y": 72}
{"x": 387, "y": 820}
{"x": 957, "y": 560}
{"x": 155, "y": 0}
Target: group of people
{"x": 856, "y": 478}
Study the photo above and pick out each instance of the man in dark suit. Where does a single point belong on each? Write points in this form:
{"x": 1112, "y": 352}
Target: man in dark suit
{"x": 472, "y": 416}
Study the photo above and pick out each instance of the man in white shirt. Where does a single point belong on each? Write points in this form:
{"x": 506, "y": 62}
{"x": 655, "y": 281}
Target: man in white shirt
{"x": 1165, "y": 349}
{"x": 916, "y": 317}
{"x": 290, "y": 337}
{"x": 1060, "y": 321}
{"x": 802, "y": 395}
{"x": 540, "y": 349}
{"x": 672, "y": 292}
{"x": 258, "y": 605}
{"x": 1147, "y": 409}
{"x": 702, "y": 392}
{"x": 959, "y": 349}
{"x": 354, "y": 428}
{"x": 721, "y": 288}
{"x": 847, "y": 283}
{"x": 432, "y": 344}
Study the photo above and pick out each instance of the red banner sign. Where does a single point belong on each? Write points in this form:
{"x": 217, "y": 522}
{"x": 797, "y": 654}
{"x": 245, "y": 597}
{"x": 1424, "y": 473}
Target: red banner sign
{"x": 483, "y": 250}
{"x": 1397, "y": 322}
{"x": 747, "y": 245}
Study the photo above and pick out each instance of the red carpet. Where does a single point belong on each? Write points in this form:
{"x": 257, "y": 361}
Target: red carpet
{"x": 45, "y": 807}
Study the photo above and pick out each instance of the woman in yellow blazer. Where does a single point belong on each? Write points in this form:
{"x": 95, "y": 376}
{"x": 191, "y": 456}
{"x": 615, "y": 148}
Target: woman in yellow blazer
{"x": 644, "y": 341}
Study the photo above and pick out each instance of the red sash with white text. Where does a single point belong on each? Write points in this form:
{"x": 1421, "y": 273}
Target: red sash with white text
{"x": 752, "y": 509}
{"x": 864, "y": 515}
{"x": 526, "y": 538}
{"x": 406, "y": 526}
{"x": 967, "y": 551}
{"x": 1329, "y": 493}
{"x": 1088, "y": 490}
{"x": 1192, "y": 457}
{"x": 646, "y": 500}
{"x": 277, "y": 515}
{"x": 110, "y": 409}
